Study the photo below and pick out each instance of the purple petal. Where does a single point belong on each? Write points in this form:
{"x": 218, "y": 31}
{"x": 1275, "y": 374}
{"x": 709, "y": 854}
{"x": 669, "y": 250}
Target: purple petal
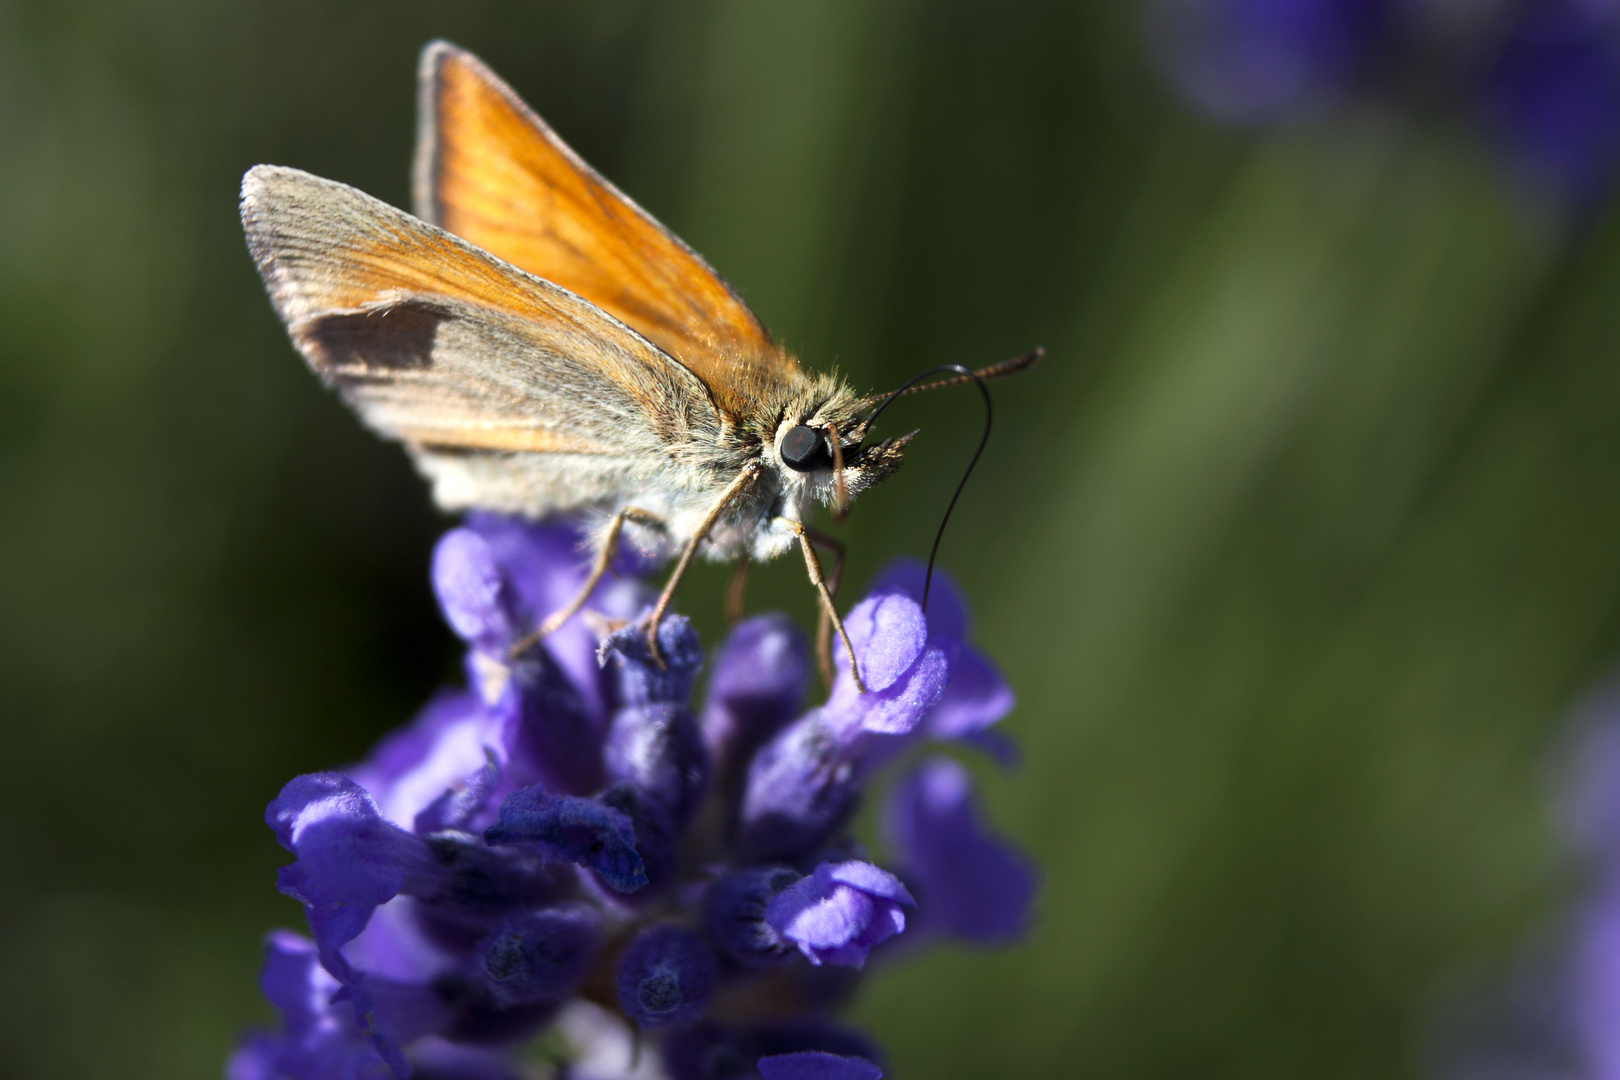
{"x": 392, "y": 1015}
{"x": 947, "y": 612}
{"x": 665, "y": 977}
{"x": 321, "y": 1039}
{"x": 899, "y": 709}
{"x": 441, "y": 1060}
{"x": 1263, "y": 61}
{"x": 547, "y": 727}
{"x": 442, "y": 751}
{"x": 904, "y": 676}
{"x": 1591, "y": 803}
{"x": 256, "y": 1057}
{"x": 1595, "y": 979}
{"x": 803, "y": 783}
{"x": 659, "y": 749}
{"x": 293, "y": 981}
{"x": 332, "y": 1055}
{"x": 996, "y": 746}
{"x": 975, "y": 697}
{"x": 694, "y": 1053}
{"x": 540, "y": 955}
{"x": 483, "y": 884}
{"x": 973, "y": 885}
{"x": 653, "y": 740}
{"x": 349, "y": 859}
{"x": 462, "y": 803}
{"x": 837, "y": 914}
{"x": 577, "y": 830}
{"x": 757, "y": 686}
{"x": 545, "y": 565}
{"x": 655, "y": 834}
{"x": 815, "y": 1065}
{"x": 872, "y": 880}
{"x": 641, "y": 680}
{"x": 1552, "y": 98}
{"x": 473, "y": 593}
{"x": 734, "y": 916}
{"x": 817, "y": 918}
{"x": 801, "y": 786}
{"x": 806, "y": 1034}
{"x": 888, "y": 633}
{"x": 397, "y": 945}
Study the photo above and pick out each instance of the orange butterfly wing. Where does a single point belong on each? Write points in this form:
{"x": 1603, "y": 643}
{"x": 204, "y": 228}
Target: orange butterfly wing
{"x": 445, "y": 347}
{"x": 489, "y": 170}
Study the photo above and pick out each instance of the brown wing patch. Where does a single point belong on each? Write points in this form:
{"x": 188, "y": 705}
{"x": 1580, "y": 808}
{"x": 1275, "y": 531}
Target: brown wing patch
{"x": 489, "y": 170}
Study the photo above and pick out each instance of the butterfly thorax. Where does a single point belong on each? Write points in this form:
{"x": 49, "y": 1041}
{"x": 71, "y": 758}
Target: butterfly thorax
{"x": 788, "y": 479}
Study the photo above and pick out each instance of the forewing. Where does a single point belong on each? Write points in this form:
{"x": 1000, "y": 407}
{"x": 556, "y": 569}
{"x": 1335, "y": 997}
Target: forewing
{"x": 449, "y": 349}
{"x": 490, "y": 170}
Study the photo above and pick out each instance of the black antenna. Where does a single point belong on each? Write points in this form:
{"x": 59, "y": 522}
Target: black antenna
{"x": 962, "y": 375}
{"x": 995, "y": 371}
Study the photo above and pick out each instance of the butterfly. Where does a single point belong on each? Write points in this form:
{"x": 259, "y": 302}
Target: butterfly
{"x": 542, "y": 346}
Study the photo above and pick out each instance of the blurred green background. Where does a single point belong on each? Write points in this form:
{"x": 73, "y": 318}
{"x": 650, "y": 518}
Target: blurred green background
{"x": 1296, "y": 548}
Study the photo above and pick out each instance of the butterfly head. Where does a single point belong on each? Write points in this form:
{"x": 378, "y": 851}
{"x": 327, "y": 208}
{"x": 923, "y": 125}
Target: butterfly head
{"x": 823, "y": 449}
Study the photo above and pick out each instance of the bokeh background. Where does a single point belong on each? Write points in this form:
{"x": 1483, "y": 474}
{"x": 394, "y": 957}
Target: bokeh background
{"x": 1297, "y": 548}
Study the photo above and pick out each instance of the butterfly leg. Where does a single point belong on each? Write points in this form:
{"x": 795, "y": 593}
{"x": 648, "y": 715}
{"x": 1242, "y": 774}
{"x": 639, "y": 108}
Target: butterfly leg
{"x": 599, "y": 569}
{"x": 737, "y": 589}
{"x": 807, "y": 538}
{"x": 744, "y": 481}
{"x": 834, "y": 547}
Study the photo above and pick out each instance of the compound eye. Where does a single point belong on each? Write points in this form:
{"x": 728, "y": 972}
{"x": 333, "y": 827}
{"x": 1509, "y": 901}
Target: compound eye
{"x": 804, "y": 449}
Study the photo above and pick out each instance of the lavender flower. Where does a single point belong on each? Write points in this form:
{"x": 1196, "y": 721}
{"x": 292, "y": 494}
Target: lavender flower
{"x": 1554, "y": 1013}
{"x": 326, "y": 1033}
{"x": 923, "y": 681}
{"x": 839, "y": 913}
{"x": 734, "y": 916}
{"x": 569, "y": 823}
{"x": 539, "y": 955}
{"x": 1540, "y": 77}
{"x": 1264, "y": 61}
{"x": 816, "y": 1065}
{"x": 973, "y": 886}
{"x": 1589, "y": 969}
{"x": 666, "y": 977}
{"x": 1551, "y": 98}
